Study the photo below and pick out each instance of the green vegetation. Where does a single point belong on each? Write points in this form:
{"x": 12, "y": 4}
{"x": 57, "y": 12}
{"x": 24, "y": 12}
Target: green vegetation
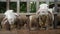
{"x": 13, "y": 6}
{"x": 23, "y": 6}
{"x": 33, "y": 7}
{"x": 2, "y": 7}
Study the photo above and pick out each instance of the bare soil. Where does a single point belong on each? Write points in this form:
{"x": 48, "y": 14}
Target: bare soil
{"x": 26, "y": 31}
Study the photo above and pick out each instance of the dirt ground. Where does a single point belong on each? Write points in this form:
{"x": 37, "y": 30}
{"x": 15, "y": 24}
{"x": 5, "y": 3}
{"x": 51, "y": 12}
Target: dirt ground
{"x": 26, "y": 31}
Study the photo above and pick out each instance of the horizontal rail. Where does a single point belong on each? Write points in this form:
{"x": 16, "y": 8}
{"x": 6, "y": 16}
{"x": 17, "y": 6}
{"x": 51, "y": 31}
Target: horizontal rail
{"x": 23, "y": 13}
{"x": 28, "y": 13}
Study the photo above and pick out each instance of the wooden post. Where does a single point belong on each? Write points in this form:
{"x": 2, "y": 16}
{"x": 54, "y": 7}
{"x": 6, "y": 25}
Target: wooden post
{"x": 7, "y": 6}
{"x": 37, "y": 5}
{"x": 18, "y": 6}
{"x": 28, "y": 6}
{"x": 55, "y": 15}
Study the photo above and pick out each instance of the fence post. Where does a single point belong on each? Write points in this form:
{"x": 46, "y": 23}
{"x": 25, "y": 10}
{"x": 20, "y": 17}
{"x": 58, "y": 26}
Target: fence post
{"x": 28, "y": 6}
{"x": 55, "y": 15}
{"x": 7, "y": 4}
{"x": 18, "y": 6}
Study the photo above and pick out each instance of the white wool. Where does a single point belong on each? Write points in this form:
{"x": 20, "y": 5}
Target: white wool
{"x": 43, "y": 4}
{"x": 43, "y": 9}
{"x": 51, "y": 11}
{"x": 30, "y": 18}
{"x": 16, "y": 14}
{"x": 10, "y": 15}
{"x": 3, "y": 22}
